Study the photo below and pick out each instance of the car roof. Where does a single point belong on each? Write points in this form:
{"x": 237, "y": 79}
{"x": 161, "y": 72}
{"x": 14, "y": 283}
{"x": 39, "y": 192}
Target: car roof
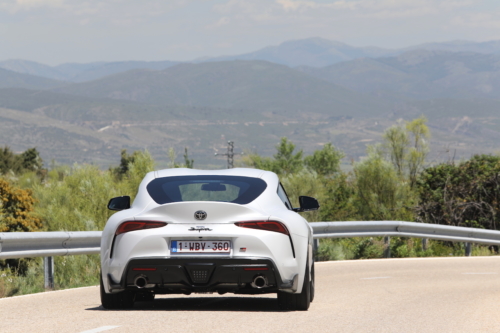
{"x": 266, "y": 198}
{"x": 243, "y": 172}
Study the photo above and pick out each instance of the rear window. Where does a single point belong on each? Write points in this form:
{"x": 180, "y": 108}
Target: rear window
{"x": 240, "y": 190}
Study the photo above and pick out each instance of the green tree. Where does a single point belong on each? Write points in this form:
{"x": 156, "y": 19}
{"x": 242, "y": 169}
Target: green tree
{"x": 467, "y": 194}
{"x": 419, "y": 134}
{"x": 338, "y": 203}
{"x": 258, "y": 162}
{"x": 172, "y": 156}
{"x": 286, "y": 160}
{"x": 396, "y": 142}
{"x": 125, "y": 161}
{"x": 380, "y": 194}
{"x": 142, "y": 164}
{"x": 9, "y": 161}
{"x": 188, "y": 163}
{"x": 407, "y": 146}
{"x": 29, "y": 160}
{"x": 325, "y": 162}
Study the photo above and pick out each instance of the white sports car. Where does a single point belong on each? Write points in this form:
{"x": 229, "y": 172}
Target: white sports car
{"x": 202, "y": 231}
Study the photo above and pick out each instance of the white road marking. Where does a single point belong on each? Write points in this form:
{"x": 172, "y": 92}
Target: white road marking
{"x": 486, "y": 273}
{"x": 376, "y": 277}
{"x": 100, "y": 329}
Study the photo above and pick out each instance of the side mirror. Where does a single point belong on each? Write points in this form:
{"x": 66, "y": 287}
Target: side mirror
{"x": 119, "y": 203}
{"x": 307, "y": 204}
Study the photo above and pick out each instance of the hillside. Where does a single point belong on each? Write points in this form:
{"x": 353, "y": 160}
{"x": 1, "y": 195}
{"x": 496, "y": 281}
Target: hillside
{"x": 419, "y": 74}
{"x": 100, "y": 142}
{"x": 320, "y": 52}
{"x": 248, "y": 85}
{"x": 74, "y": 72}
{"x": 13, "y": 79}
{"x": 80, "y": 109}
{"x": 489, "y": 47}
{"x": 311, "y": 52}
{"x": 255, "y": 103}
{"x": 88, "y": 72}
{"x": 314, "y": 52}
{"x": 32, "y": 68}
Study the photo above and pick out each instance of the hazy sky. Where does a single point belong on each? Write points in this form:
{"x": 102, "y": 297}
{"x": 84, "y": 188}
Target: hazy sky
{"x": 58, "y": 31}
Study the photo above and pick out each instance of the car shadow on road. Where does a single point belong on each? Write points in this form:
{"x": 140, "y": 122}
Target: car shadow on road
{"x": 230, "y": 304}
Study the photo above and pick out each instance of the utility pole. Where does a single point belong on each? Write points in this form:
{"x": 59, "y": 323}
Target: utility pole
{"x": 230, "y": 154}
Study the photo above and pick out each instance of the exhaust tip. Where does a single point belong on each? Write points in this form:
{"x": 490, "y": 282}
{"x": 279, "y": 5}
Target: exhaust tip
{"x": 259, "y": 282}
{"x": 141, "y": 281}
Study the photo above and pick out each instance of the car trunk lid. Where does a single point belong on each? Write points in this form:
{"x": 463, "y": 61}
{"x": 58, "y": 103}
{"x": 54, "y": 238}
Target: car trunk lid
{"x": 202, "y": 212}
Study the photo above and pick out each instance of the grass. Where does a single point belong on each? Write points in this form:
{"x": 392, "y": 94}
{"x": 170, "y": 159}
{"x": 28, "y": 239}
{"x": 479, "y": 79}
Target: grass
{"x": 69, "y": 272}
{"x": 374, "y": 247}
{"x": 14, "y": 284}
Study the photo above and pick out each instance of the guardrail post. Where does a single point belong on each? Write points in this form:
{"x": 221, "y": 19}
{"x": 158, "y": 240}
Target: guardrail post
{"x": 387, "y": 247}
{"x": 315, "y": 248}
{"x": 425, "y": 243}
{"x": 468, "y": 249}
{"x": 48, "y": 264}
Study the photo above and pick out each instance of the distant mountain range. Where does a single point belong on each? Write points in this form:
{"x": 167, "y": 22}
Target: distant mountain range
{"x": 419, "y": 74}
{"x": 14, "y": 79}
{"x": 313, "y": 91}
{"x": 74, "y": 72}
{"x": 311, "y": 52}
{"x": 319, "y": 52}
{"x": 490, "y": 47}
{"x": 238, "y": 85}
{"x": 314, "y": 52}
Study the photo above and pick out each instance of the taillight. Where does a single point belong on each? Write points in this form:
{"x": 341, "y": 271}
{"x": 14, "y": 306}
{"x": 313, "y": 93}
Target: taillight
{"x": 264, "y": 225}
{"x": 138, "y": 225}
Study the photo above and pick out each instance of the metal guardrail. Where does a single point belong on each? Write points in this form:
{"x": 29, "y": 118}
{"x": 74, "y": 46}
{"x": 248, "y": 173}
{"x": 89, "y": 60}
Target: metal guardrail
{"x": 404, "y": 229}
{"x": 47, "y": 244}
{"x": 61, "y": 243}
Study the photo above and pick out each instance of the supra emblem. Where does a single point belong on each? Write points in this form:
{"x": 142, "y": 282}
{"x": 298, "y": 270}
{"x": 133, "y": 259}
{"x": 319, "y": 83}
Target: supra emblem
{"x": 200, "y": 215}
{"x": 199, "y": 228}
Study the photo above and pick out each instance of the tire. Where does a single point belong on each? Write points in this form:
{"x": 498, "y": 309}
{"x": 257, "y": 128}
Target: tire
{"x": 300, "y": 302}
{"x": 121, "y": 300}
{"x": 145, "y": 296}
{"x": 313, "y": 281}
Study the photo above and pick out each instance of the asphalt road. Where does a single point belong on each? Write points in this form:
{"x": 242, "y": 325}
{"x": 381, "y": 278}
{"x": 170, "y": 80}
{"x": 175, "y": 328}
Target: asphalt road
{"x": 398, "y": 295}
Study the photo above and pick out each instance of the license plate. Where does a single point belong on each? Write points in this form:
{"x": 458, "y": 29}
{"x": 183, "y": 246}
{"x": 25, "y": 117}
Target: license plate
{"x": 190, "y": 246}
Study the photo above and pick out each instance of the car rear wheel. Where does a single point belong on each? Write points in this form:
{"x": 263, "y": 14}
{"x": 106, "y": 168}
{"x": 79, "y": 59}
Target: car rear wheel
{"x": 301, "y": 302}
{"x": 145, "y": 296}
{"x": 312, "y": 282}
{"x": 121, "y": 300}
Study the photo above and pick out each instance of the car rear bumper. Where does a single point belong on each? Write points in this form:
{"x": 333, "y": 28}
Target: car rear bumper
{"x": 208, "y": 274}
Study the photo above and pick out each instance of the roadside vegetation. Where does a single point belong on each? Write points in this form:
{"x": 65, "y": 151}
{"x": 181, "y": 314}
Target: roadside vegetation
{"x": 393, "y": 182}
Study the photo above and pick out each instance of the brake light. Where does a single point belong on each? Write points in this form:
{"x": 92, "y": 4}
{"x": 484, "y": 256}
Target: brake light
{"x": 138, "y": 225}
{"x": 264, "y": 225}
